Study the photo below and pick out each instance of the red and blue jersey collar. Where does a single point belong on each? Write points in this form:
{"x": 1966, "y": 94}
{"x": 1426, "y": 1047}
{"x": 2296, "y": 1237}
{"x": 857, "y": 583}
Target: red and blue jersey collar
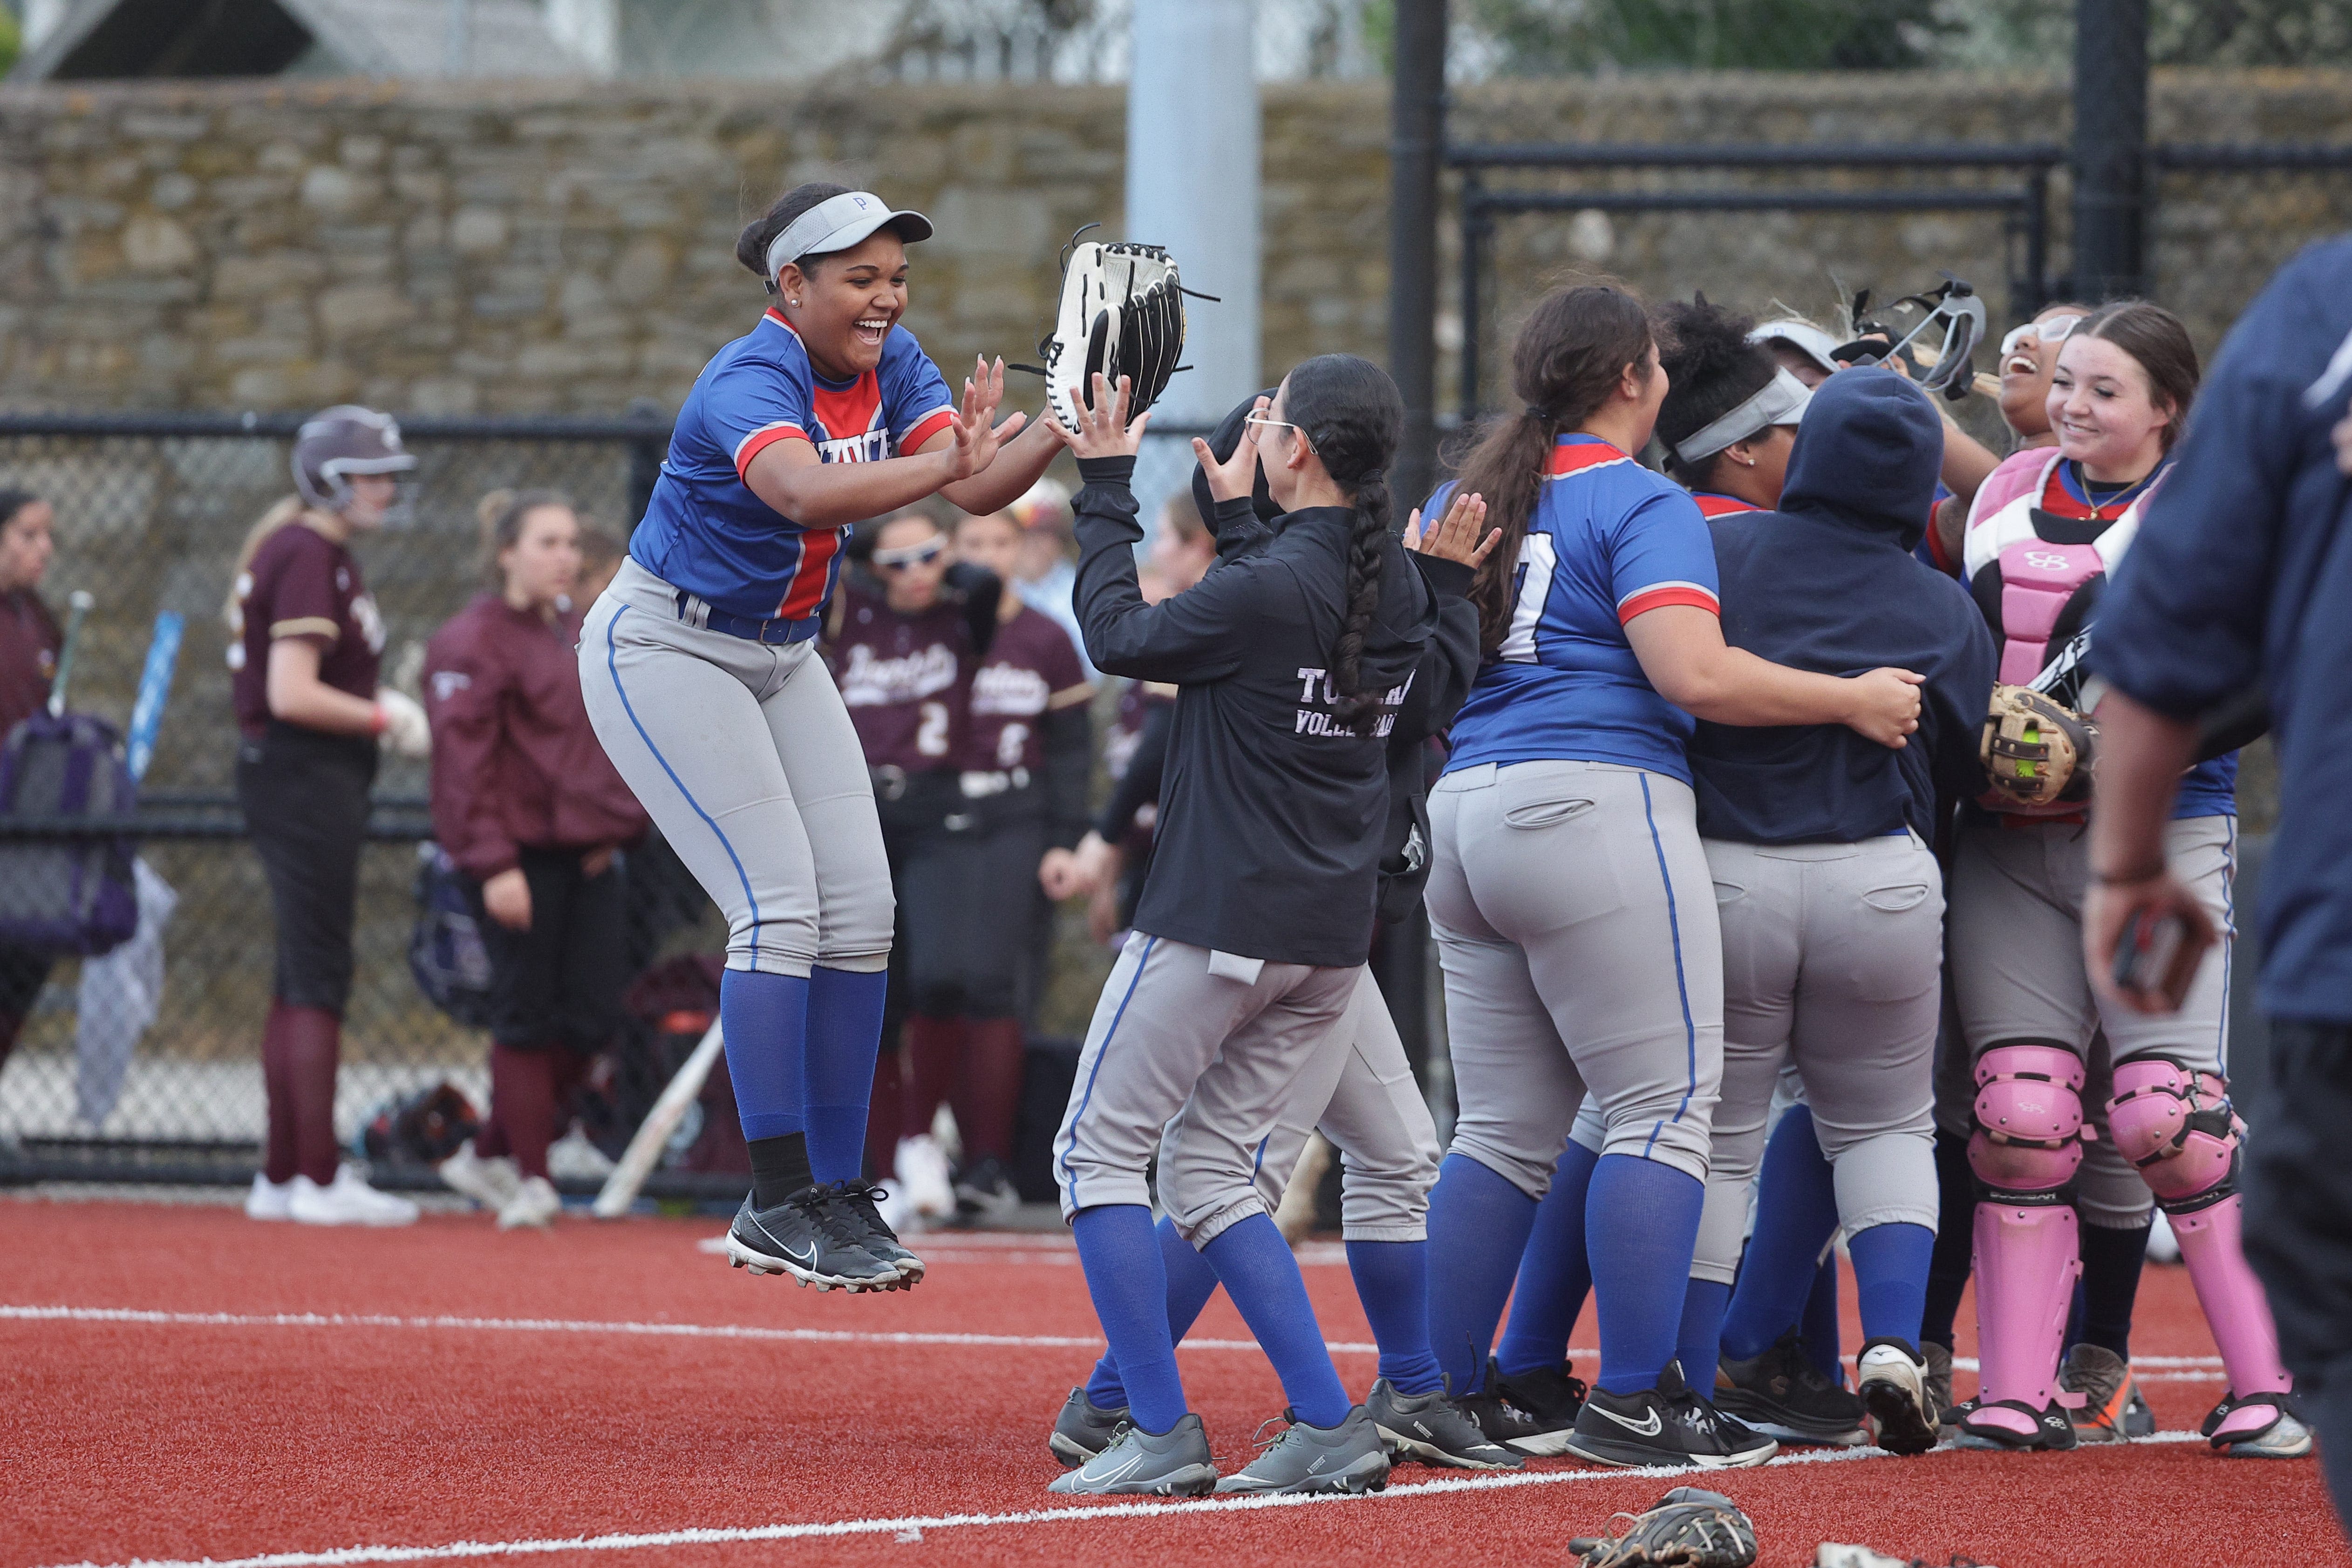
{"x": 1575, "y": 452}
{"x": 819, "y": 377}
{"x": 1712, "y": 504}
{"x": 2064, "y": 495}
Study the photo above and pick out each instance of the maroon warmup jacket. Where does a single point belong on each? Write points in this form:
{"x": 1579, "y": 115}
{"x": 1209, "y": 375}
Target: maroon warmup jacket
{"x": 29, "y": 640}
{"x": 514, "y": 764}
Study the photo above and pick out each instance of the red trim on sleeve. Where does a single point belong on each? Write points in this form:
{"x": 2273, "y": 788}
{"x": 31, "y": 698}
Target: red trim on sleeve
{"x": 931, "y": 425}
{"x": 759, "y": 441}
{"x": 1663, "y": 594}
{"x": 1713, "y": 505}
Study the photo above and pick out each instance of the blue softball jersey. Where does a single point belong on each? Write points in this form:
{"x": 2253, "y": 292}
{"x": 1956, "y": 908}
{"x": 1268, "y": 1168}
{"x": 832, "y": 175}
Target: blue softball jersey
{"x": 1609, "y": 541}
{"x": 705, "y": 532}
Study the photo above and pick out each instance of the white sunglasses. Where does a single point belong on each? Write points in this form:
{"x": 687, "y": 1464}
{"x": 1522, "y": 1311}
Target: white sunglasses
{"x": 2055, "y": 331}
{"x": 1264, "y": 424}
{"x": 907, "y": 555}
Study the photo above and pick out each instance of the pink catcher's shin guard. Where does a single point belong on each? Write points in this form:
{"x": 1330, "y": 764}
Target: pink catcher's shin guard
{"x": 2028, "y": 1143}
{"x": 2178, "y": 1126}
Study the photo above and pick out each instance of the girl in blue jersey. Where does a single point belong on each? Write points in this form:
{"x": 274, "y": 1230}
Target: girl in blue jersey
{"x": 699, "y": 668}
{"x": 1569, "y": 896}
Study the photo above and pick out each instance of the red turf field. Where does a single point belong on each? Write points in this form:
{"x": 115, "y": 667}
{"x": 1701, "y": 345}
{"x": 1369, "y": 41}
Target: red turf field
{"x": 530, "y": 1394}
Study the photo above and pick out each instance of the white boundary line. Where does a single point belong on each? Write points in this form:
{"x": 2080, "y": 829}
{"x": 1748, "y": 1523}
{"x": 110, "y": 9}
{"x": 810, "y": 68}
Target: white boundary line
{"x": 911, "y": 1527}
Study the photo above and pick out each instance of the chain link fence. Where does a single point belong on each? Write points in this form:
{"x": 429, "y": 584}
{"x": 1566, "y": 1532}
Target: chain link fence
{"x": 149, "y": 1068}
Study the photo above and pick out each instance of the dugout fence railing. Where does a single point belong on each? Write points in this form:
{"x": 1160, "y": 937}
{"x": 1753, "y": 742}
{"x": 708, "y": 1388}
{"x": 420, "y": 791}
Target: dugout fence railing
{"x": 109, "y": 1083}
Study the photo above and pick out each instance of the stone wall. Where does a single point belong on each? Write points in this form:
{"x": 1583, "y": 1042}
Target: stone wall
{"x": 537, "y": 247}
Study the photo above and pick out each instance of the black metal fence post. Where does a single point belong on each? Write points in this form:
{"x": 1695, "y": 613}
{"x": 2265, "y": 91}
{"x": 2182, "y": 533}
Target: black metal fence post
{"x": 1416, "y": 139}
{"x": 2110, "y": 150}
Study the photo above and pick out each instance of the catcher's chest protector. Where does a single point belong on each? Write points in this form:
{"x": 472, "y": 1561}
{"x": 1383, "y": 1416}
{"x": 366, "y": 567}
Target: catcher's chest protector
{"x": 2047, "y": 561}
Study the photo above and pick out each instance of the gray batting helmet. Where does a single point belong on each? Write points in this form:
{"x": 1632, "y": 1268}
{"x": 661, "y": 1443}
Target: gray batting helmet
{"x": 338, "y": 442}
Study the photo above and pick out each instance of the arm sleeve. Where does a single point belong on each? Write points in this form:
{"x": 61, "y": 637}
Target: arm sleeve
{"x": 1197, "y": 635}
{"x": 1450, "y": 666}
{"x": 1068, "y": 739}
{"x": 751, "y": 405}
{"x": 1660, "y": 553}
{"x": 983, "y": 592}
{"x": 1239, "y": 528}
{"x": 302, "y": 596}
{"x": 915, "y": 396}
{"x": 463, "y": 693}
{"x": 1139, "y": 786}
{"x": 2181, "y": 628}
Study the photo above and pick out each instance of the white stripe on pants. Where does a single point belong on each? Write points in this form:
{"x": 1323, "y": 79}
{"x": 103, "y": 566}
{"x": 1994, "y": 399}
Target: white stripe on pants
{"x": 744, "y": 755}
{"x": 1572, "y": 910}
{"x": 1833, "y": 957}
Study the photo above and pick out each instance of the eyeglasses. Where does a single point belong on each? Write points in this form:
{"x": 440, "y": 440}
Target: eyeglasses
{"x": 2054, "y": 330}
{"x": 1262, "y": 422}
{"x": 907, "y": 555}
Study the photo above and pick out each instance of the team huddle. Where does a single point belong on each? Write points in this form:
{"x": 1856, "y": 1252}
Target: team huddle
{"x": 1747, "y": 801}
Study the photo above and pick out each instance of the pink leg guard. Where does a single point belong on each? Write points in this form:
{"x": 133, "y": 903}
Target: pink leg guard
{"x": 2028, "y": 1143}
{"x": 2178, "y": 1126}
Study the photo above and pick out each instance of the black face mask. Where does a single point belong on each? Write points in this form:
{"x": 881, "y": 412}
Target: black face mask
{"x": 1223, "y": 443}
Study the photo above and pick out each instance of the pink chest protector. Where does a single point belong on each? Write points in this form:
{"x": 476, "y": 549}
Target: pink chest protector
{"x": 2038, "y": 579}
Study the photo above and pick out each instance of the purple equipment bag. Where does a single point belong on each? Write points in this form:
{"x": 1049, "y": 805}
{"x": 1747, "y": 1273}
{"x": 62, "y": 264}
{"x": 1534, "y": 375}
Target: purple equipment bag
{"x": 67, "y": 895}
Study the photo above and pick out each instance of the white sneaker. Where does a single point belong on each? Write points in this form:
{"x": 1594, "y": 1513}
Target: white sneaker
{"x": 489, "y": 1182}
{"x": 346, "y": 1200}
{"x": 2288, "y": 1438}
{"x": 535, "y": 1203}
{"x": 923, "y": 1177}
{"x": 269, "y": 1199}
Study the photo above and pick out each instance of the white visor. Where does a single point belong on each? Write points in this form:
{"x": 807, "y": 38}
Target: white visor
{"x": 1780, "y": 401}
{"x": 839, "y": 222}
{"x": 1803, "y": 336}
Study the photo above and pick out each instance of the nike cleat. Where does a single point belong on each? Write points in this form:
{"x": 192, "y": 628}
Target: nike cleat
{"x": 1084, "y": 1430}
{"x": 1349, "y": 1457}
{"x": 1783, "y": 1393}
{"x": 1893, "y": 1378}
{"x": 856, "y": 1200}
{"x": 1174, "y": 1463}
{"x": 2100, "y": 1376}
{"x": 810, "y": 1238}
{"x": 1430, "y": 1429}
{"x": 1532, "y": 1412}
{"x": 1668, "y": 1426}
{"x": 1939, "y": 1376}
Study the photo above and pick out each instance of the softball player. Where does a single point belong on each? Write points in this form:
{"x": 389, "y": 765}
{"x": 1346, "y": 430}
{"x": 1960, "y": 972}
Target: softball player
{"x": 702, "y": 677}
{"x": 2120, "y": 394}
{"x": 1249, "y": 941}
{"x": 1569, "y": 896}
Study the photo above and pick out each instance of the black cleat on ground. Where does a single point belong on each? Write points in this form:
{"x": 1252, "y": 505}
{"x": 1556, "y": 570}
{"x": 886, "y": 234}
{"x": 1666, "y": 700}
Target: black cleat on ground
{"x": 1532, "y": 1412}
{"x": 1894, "y": 1390}
{"x": 857, "y": 1201}
{"x": 2139, "y": 1421}
{"x": 1668, "y": 1424}
{"x": 1430, "y": 1429}
{"x": 1349, "y": 1457}
{"x": 810, "y": 1238}
{"x": 1174, "y": 1463}
{"x": 2053, "y": 1428}
{"x": 1083, "y": 1429}
{"x": 1784, "y": 1394}
{"x": 985, "y": 1189}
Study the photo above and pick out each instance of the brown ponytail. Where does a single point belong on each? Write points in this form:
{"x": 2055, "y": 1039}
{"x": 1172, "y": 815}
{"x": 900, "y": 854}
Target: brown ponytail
{"x": 286, "y": 510}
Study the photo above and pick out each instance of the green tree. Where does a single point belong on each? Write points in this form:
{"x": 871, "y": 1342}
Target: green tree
{"x": 1534, "y": 37}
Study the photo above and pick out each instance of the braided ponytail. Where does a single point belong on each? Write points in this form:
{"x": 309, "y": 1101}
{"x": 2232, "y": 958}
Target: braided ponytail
{"x": 1354, "y": 419}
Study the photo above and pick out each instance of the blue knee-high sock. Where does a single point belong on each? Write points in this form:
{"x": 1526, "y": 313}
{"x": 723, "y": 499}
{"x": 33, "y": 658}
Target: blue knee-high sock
{"x": 1796, "y": 1214}
{"x": 1191, "y": 1282}
{"x": 844, "y": 1036}
{"x": 1890, "y": 1279}
{"x": 1256, "y": 1268}
{"x": 1478, "y": 1226}
{"x": 1555, "y": 1274}
{"x": 1392, "y": 1282}
{"x": 1698, "y": 1343}
{"x": 1121, "y": 1258}
{"x": 764, "y": 1020}
{"x": 1640, "y": 1225}
{"x": 1818, "y": 1328}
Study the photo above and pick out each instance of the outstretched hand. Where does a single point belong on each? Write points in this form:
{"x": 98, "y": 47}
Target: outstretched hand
{"x": 976, "y": 438}
{"x": 1104, "y": 430}
{"x": 1455, "y": 536}
{"x": 1237, "y": 475}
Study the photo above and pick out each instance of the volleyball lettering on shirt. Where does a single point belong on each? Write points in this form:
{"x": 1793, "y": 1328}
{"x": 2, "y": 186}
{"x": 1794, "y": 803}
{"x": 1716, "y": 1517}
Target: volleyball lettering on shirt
{"x": 904, "y": 680}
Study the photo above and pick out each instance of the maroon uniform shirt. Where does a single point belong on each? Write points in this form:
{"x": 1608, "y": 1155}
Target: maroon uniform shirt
{"x": 515, "y": 763}
{"x": 1030, "y": 667}
{"x": 29, "y": 640}
{"x": 303, "y": 584}
{"x": 906, "y": 679}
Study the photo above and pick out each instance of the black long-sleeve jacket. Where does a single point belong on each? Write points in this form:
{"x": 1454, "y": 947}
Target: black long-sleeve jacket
{"x": 1271, "y": 816}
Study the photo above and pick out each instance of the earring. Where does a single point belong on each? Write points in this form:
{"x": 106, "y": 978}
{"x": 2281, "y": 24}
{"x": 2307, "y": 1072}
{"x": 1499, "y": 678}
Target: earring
{"x": 792, "y": 302}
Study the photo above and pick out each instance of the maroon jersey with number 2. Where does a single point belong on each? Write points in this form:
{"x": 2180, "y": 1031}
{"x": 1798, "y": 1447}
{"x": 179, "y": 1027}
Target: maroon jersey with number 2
{"x": 1030, "y": 667}
{"x": 904, "y": 679}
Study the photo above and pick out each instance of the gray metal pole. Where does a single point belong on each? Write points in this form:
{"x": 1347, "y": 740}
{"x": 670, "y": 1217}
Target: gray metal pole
{"x": 2110, "y": 151}
{"x": 1416, "y": 143}
{"x": 457, "y": 42}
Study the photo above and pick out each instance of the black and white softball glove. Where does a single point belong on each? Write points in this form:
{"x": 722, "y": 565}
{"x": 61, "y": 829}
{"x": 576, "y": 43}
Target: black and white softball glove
{"x": 1122, "y": 315}
{"x": 1688, "y": 1526}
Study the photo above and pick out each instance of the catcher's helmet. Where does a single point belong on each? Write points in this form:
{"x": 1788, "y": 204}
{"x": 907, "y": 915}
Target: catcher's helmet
{"x": 347, "y": 439}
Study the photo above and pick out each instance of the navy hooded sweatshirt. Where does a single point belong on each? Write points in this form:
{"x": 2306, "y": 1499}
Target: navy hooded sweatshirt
{"x": 1829, "y": 584}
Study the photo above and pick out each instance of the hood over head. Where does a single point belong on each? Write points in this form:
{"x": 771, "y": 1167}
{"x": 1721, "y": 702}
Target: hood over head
{"x": 1867, "y": 454}
{"x": 1227, "y": 436}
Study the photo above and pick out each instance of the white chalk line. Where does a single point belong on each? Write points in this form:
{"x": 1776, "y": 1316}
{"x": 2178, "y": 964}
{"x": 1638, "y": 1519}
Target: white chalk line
{"x": 911, "y": 1527}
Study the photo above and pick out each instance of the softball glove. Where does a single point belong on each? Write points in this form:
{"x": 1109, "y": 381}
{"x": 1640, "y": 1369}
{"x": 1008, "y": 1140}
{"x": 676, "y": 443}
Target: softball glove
{"x": 2035, "y": 751}
{"x": 1688, "y": 1526}
{"x": 1122, "y": 315}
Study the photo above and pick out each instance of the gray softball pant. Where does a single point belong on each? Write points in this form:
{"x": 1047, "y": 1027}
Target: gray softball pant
{"x": 1360, "y": 1093}
{"x": 1833, "y": 960}
{"x": 1194, "y": 1055}
{"x": 1576, "y": 928}
{"x": 742, "y": 754}
{"x": 2017, "y": 969}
